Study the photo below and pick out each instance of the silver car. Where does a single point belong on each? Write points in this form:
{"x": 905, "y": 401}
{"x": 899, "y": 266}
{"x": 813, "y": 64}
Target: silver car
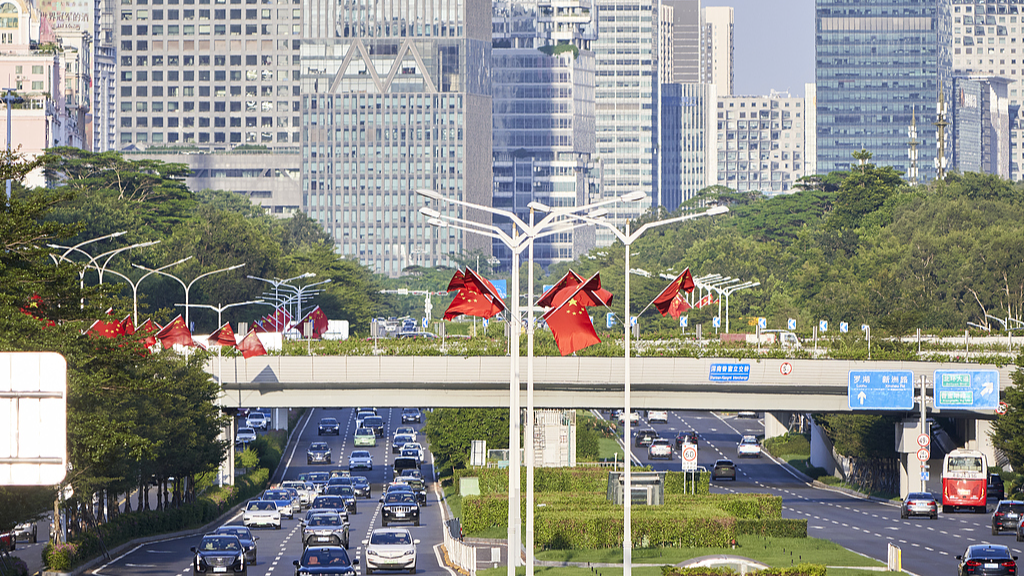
{"x": 391, "y": 549}
{"x": 325, "y": 529}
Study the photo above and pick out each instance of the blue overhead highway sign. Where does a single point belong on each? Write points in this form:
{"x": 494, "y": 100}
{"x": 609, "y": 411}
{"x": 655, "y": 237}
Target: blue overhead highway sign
{"x": 967, "y": 389}
{"x": 881, "y": 390}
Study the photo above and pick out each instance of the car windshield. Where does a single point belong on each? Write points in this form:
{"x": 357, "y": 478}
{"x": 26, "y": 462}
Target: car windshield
{"x": 401, "y": 463}
{"x": 748, "y": 440}
{"x": 276, "y": 495}
{"x": 1017, "y": 507}
{"x": 220, "y": 544}
{"x": 261, "y": 505}
{"x": 1000, "y": 552}
{"x": 328, "y": 421}
{"x": 373, "y": 421}
{"x": 325, "y": 557}
{"x": 318, "y": 446}
{"x": 919, "y": 496}
{"x": 359, "y": 454}
{"x": 364, "y": 432}
{"x": 390, "y": 538}
{"x": 400, "y": 498}
{"x": 325, "y": 520}
{"x": 360, "y": 480}
{"x": 241, "y": 533}
{"x": 319, "y": 477}
{"x": 403, "y": 439}
{"x": 328, "y": 502}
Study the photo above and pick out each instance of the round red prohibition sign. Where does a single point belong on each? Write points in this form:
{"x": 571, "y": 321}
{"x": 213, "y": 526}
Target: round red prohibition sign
{"x": 786, "y": 368}
{"x": 923, "y": 454}
{"x": 689, "y": 454}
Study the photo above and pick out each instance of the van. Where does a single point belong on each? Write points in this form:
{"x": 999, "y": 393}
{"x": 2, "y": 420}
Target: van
{"x": 404, "y": 463}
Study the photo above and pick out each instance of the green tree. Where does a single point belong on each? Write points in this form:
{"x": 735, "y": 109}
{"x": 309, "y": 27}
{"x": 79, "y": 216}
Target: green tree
{"x": 451, "y": 430}
{"x": 1008, "y": 428}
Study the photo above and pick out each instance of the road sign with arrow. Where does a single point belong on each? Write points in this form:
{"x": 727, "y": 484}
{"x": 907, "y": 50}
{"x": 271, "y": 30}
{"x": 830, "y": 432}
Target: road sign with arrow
{"x": 881, "y": 390}
{"x": 967, "y": 389}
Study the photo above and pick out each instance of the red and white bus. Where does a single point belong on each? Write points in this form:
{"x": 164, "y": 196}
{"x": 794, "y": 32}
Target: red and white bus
{"x": 964, "y": 476}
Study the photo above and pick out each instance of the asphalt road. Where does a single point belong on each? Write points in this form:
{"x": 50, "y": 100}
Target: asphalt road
{"x": 862, "y": 525}
{"x": 276, "y": 549}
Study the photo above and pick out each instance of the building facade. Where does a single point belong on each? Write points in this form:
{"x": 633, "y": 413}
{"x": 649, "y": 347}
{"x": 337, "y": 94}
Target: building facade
{"x": 543, "y": 78}
{"x": 689, "y": 131}
{"x": 981, "y": 125}
{"x": 717, "y": 48}
{"x": 876, "y": 65}
{"x": 395, "y": 97}
{"x": 762, "y": 142}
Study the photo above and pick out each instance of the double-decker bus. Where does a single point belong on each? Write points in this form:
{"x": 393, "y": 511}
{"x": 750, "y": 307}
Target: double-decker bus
{"x": 964, "y": 480}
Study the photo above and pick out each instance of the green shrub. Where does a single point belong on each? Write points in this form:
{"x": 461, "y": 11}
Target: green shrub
{"x": 788, "y": 444}
{"x": 651, "y": 527}
{"x": 14, "y": 567}
{"x": 798, "y": 570}
{"x": 774, "y": 527}
{"x": 747, "y": 506}
{"x": 816, "y": 472}
{"x": 675, "y": 481}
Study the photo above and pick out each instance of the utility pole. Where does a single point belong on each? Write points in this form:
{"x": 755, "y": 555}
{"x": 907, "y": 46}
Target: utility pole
{"x": 941, "y": 124}
{"x": 924, "y": 465}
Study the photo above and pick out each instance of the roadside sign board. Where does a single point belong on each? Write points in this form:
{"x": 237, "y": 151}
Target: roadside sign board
{"x": 730, "y": 372}
{"x": 881, "y": 390}
{"x": 923, "y": 440}
{"x": 689, "y": 454}
{"x": 967, "y": 389}
{"x": 923, "y": 454}
{"x": 716, "y": 321}
{"x": 33, "y": 400}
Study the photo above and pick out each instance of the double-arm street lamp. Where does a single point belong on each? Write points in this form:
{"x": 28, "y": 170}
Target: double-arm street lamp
{"x": 556, "y": 220}
{"x": 220, "y": 309}
{"x": 135, "y": 284}
{"x": 627, "y": 239}
{"x": 292, "y": 292}
{"x": 188, "y": 287}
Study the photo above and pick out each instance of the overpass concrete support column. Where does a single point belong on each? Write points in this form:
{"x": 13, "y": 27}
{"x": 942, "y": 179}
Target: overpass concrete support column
{"x": 280, "y": 419}
{"x": 982, "y": 439}
{"x": 821, "y": 451}
{"x": 776, "y": 424}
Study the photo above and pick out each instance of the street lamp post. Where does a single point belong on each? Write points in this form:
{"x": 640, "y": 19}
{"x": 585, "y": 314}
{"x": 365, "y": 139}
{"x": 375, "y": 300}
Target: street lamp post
{"x": 100, "y": 269}
{"x": 627, "y": 239}
{"x": 188, "y": 287}
{"x": 135, "y": 285}
{"x": 220, "y": 309}
{"x": 277, "y": 283}
{"x": 553, "y": 222}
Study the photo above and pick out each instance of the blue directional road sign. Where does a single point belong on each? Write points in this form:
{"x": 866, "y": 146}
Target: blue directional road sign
{"x": 500, "y": 286}
{"x": 762, "y": 323}
{"x": 823, "y": 325}
{"x": 425, "y": 322}
{"x": 844, "y": 327}
{"x": 716, "y": 321}
{"x": 967, "y": 389}
{"x": 609, "y": 320}
{"x": 632, "y": 320}
{"x": 791, "y": 324}
{"x": 881, "y": 390}
{"x": 684, "y": 321}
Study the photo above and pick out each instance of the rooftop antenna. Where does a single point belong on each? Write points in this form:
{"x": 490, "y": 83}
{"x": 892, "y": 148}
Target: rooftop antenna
{"x": 940, "y": 160}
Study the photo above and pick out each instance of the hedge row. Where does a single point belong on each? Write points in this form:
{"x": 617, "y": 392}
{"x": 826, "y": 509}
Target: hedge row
{"x": 752, "y": 506}
{"x": 568, "y": 530}
{"x": 204, "y": 510}
{"x": 798, "y": 570}
{"x": 774, "y": 527}
{"x": 13, "y": 566}
{"x": 576, "y": 480}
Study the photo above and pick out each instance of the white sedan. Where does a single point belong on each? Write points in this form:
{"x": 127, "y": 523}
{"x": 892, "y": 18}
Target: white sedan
{"x": 391, "y": 549}
{"x": 660, "y": 448}
{"x": 261, "y": 513}
{"x": 748, "y": 447}
{"x": 245, "y": 435}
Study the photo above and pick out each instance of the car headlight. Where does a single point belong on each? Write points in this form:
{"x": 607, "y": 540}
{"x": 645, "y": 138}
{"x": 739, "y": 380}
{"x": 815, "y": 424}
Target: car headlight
{"x": 370, "y": 552}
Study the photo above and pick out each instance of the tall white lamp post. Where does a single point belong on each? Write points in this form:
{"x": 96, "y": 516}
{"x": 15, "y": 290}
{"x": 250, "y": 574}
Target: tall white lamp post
{"x": 188, "y": 287}
{"x": 135, "y": 284}
{"x": 627, "y": 497}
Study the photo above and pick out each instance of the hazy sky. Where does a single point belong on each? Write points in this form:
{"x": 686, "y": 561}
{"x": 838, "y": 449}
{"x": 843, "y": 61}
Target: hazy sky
{"x": 773, "y": 45}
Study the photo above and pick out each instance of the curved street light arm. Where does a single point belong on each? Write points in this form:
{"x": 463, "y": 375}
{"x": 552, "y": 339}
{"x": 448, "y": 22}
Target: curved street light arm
{"x": 434, "y": 195}
{"x": 205, "y": 274}
{"x": 80, "y": 244}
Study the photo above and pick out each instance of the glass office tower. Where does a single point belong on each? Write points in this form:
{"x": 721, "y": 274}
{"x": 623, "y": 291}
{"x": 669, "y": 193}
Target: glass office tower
{"x": 395, "y": 97}
{"x": 876, "y": 64}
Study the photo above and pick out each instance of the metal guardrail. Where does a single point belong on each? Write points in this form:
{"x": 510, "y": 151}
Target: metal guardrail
{"x": 460, "y": 554}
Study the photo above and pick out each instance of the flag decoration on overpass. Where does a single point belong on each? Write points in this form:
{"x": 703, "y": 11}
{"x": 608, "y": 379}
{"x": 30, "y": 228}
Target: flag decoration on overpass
{"x": 223, "y": 336}
{"x": 319, "y": 320}
{"x": 175, "y": 333}
{"x": 477, "y": 296}
{"x": 568, "y": 318}
{"x": 671, "y": 301}
{"x": 251, "y": 346}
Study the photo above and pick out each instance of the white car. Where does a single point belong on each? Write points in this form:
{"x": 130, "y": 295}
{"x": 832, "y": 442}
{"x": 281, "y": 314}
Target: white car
{"x": 305, "y": 489}
{"x": 748, "y": 447}
{"x": 657, "y": 416}
{"x": 660, "y": 448}
{"x": 360, "y": 460}
{"x": 406, "y": 430}
{"x": 257, "y": 420}
{"x": 634, "y": 417}
{"x": 414, "y": 446}
{"x": 391, "y": 549}
{"x": 245, "y": 435}
{"x": 261, "y": 513}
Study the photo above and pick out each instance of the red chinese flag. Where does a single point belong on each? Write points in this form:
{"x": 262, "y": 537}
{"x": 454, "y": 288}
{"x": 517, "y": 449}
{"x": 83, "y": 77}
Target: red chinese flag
{"x": 472, "y": 303}
{"x": 705, "y": 301}
{"x": 476, "y": 283}
{"x": 592, "y": 295}
{"x": 127, "y": 326}
{"x": 678, "y": 306}
{"x": 571, "y": 326}
{"x": 319, "y": 320}
{"x": 666, "y": 301}
{"x": 105, "y": 328}
{"x": 175, "y": 333}
{"x": 549, "y": 298}
{"x": 251, "y": 346}
{"x": 223, "y": 336}
{"x": 458, "y": 282}
{"x": 149, "y": 328}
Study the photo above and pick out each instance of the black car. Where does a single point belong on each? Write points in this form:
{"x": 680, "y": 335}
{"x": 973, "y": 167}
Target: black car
{"x": 318, "y": 452}
{"x": 987, "y": 560}
{"x": 345, "y": 492}
{"x": 318, "y": 480}
{"x": 417, "y": 487}
{"x": 330, "y": 503}
{"x": 405, "y": 463}
{"x": 400, "y": 506}
{"x": 325, "y": 560}
{"x": 220, "y": 553}
{"x": 361, "y": 486}
{"x": 995, "y": 488}
{"x": 375, "y": 423}
{"x": 328, "y": 426}
{"x": 411, "y": 415}
{"x": 645, "y": 438}
{"x": 245, "y": 538}
{"x": 686, "y": 438}
{"x": 399, "y": 441}
{"x": 1007, "y": 515}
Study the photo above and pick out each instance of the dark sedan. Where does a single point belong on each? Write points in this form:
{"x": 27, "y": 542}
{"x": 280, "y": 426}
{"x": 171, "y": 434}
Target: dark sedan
{"x": 325, "y": 560}
{"x": 245, "y": 538}
{"x": 361, "y": 486}
{"x": 919, "y": 504}
{"x": 686, "y": 438}
{"x": 645, "y": 438}
{"x": 328, "y": 427}
{"x": 221, "y": 554}
{"x": 1007, "y": 515}
{"x": 411, "y": 415}
{"x": 400, "y": 507}
{"x": 987, "y": 560}
{"x": 345, "y": 492}
{"x": 319, "y": 453}
{"x": 723, "y": 469}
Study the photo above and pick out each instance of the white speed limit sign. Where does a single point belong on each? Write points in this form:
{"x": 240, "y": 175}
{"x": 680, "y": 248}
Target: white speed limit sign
{"x": 689, "y": 457}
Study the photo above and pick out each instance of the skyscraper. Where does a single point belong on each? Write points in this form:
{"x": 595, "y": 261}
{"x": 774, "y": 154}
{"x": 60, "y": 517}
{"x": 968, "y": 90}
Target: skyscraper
{"x": 875, "y": 65}
{"x": 717, "y": 48}
{"x": 543, "y": 114}
{"x": 395, "y": 97}
{"x": 688, "y": 125}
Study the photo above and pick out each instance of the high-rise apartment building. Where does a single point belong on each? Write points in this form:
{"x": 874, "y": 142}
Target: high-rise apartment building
{"x": 876, "y": 65}
{"x": 689, "y": 131}
{"x": 625, "y": 100}
{"x": 717, "y": 48}
{"x": 762, "y": 142}
{"x": 395, "y": 98}
{"x": 686, "y": 34}
{"x": 542, "y": 72}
